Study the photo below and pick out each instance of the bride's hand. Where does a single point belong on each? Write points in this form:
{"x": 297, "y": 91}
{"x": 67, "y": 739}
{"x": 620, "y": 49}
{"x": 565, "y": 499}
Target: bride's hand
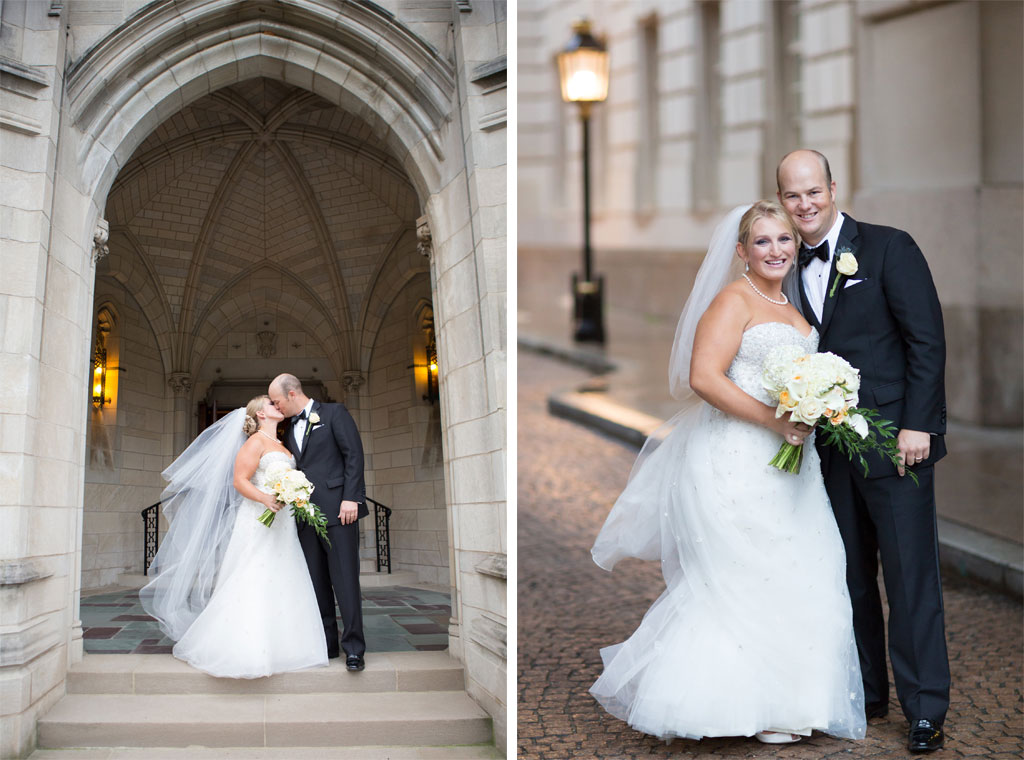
{"x": 270, "y": 502}
{"x": 792, "y": 432}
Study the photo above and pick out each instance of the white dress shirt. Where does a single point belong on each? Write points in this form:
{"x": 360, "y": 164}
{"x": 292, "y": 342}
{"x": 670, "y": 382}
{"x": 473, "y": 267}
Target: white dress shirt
{"x": 299, "y": 429}
{"x": 815, "y": 274}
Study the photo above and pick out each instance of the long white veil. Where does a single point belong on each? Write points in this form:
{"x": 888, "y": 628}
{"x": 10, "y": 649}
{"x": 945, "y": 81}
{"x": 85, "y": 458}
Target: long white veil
{"x": 635, "y": 526}
{"x": 200, "y": 503}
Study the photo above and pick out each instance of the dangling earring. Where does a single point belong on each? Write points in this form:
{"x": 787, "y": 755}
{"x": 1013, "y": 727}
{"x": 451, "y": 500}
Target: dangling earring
{"x": 746, "y": 266}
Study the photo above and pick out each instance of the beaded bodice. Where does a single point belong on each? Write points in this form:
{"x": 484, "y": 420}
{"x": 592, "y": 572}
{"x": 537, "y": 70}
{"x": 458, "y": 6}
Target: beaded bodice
{"x": 757, "y": 341}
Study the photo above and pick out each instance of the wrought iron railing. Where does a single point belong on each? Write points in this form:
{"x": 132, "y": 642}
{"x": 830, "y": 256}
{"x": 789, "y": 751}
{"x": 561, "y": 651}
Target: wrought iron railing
{"x": 382, "y": 521}
{"x": 150, "y": 535}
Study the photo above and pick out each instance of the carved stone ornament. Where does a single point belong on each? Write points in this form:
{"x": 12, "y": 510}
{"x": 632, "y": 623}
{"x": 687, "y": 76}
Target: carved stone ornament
{"x": 424, "y": 239}
{"x": 352, "y": 380}
{"x": 180, "y": 383}
{"x": 100, "y": 236}
{"x": 266, "y": 343}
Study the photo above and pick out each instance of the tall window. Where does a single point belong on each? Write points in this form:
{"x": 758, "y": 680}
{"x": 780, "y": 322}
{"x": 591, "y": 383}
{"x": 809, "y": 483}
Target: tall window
{"x": 782, "y": 126}
{"x": 708, "y": 111}
{"x": 648, "y": 137}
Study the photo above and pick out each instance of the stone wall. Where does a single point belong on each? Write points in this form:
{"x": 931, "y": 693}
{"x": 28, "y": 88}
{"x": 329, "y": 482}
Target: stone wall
{"x": 406, "y": 466}
{"x": 127, "y": 445}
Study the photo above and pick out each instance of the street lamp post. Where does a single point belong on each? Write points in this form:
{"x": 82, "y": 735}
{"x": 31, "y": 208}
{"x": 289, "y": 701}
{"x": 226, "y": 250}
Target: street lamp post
{"x": 583, "y": 72}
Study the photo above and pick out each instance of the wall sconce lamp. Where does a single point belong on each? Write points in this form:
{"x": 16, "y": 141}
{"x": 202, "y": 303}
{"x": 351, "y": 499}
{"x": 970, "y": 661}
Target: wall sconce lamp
{"x": 99, "y": 378}
{"x": 433, "y": 393}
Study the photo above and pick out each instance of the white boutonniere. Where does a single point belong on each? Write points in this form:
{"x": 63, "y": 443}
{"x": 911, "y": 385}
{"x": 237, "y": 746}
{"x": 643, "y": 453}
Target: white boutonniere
{"x": 314, "y": 418}
{"x": 845, "y": 266}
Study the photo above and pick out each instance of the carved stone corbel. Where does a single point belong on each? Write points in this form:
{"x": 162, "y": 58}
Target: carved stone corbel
{"x": 424, "y": 238}
{"x": 100, "y": 236}
{"x": 352, "y": 380}
{"x": 180, "y": 383}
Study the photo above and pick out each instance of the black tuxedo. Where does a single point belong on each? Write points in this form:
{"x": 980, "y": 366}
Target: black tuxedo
{"x": 889, "y": 326}
{"x": 332, "y": 459}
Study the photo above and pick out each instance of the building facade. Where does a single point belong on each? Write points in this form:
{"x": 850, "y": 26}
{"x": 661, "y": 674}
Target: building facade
{"x": 201, "y": 194}
{"x": 917, "y": 106}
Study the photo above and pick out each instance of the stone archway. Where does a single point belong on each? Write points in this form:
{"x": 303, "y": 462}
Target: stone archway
{"x": 362, "y": 60}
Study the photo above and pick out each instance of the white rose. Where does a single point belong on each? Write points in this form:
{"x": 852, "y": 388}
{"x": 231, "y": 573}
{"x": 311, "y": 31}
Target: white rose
{"x": 859, "y": 424}
{"x": 315, "y": 418}
{"x": 847, "y": 264}
{"x": 809, "y": 410}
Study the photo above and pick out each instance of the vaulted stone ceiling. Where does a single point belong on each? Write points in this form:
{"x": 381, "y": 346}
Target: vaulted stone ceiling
{"x": 257, "y": 196}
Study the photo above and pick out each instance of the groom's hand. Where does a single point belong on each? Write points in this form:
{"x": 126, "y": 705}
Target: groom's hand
{"x": 914, "y": 446}
{"x": 349, "y": 512}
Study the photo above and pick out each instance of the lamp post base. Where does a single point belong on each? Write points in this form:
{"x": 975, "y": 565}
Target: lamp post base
{"x": 588, "y": 310}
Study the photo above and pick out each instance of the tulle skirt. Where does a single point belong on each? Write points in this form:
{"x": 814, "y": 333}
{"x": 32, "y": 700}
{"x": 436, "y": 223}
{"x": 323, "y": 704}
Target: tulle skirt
{"x": 262, "y": 617}
{"x": 754, "y": 630}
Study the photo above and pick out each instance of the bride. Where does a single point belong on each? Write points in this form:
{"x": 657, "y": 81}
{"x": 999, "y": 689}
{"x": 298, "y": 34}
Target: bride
{"x": 753, "y": 634}
{"x": 233, "y": 593}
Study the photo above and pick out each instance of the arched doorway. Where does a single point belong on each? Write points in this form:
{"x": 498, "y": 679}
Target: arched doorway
{"x": 417, "y": 115}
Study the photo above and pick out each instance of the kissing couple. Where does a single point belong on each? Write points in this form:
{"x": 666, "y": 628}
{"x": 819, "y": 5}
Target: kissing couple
{"x": 244, "y": 599}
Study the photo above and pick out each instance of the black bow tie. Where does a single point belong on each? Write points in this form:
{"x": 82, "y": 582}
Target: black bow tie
{"x": 300, "y": 416}
{"x": 806, "y": 254}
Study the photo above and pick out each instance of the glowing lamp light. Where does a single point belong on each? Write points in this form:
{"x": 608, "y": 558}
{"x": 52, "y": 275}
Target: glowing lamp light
{"x": 99, "y": 379}
{"x": 583, "y": 67}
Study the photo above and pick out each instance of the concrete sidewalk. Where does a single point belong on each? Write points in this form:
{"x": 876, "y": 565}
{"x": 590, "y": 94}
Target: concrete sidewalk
{"x": 978, "y": 485}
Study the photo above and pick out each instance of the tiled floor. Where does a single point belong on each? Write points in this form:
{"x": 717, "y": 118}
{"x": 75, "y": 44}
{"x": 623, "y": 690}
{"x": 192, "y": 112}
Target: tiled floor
{"x": 395, "y": 619}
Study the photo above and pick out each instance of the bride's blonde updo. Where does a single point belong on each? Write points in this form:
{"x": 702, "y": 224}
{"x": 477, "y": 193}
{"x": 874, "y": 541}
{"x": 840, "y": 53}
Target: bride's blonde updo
{"x": 760, "y": 210}
{"x": 251, "y": 424}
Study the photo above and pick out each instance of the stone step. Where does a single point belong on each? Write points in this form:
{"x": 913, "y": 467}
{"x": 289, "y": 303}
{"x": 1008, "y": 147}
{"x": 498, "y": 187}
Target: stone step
{"x": 272, "y": 720}
{"x": 154, "y": 674}
{"x": 390, "y": 752}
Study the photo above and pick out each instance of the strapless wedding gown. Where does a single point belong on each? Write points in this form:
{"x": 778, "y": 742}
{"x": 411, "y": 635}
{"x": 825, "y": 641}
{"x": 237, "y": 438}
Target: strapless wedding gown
{"x": 754, "y": 631}
{"x": 262, "y": 617}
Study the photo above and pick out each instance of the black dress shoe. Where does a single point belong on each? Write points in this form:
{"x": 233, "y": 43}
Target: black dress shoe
{"x": 876, "y": 710}
{"x": 354, "y": 662}
{"x": 925, "y": 736}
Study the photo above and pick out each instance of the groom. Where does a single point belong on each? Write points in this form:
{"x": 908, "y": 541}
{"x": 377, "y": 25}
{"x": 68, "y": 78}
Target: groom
{"x": 327, "y": 448}
{"x": 884, "y": 318}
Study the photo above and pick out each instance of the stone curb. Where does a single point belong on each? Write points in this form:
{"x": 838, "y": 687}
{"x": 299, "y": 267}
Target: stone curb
{"x": 995, "y": 561}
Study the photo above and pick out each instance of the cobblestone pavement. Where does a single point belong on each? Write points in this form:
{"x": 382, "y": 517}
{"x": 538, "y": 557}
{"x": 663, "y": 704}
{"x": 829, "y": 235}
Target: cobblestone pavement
{"x": 568, "y": 608}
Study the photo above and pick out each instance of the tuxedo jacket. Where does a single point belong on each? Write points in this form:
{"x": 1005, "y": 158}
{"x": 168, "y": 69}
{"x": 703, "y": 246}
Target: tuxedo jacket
{"x": 885, "y": 320}
{"x": 332, "y": 459}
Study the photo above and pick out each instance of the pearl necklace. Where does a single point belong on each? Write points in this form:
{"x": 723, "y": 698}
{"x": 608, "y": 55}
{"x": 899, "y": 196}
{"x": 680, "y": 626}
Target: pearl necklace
{"x": 783, "y": 302}
{"x": 268, "y": 436}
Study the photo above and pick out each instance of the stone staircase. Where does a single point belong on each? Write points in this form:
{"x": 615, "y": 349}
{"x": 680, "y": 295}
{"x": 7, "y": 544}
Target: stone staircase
{"x": 404, "y": 705}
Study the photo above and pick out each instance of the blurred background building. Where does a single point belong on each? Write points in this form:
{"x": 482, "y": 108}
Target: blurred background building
{"x": 918, "y": 106}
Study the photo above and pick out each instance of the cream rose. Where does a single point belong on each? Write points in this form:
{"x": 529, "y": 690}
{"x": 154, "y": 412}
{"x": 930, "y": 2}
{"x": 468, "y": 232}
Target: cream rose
{"x": 809, "y": 410}
{"x": 847, "y": 264}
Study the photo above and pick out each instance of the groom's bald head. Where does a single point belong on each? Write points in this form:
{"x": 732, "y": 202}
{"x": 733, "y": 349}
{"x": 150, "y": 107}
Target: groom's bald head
{"x": 286, "y": 393}
{"x": 285, "y": 382}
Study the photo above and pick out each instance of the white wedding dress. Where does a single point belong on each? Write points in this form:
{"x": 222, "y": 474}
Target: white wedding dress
{"x": 754, "y": 631}
{"x": 262, "y": 617}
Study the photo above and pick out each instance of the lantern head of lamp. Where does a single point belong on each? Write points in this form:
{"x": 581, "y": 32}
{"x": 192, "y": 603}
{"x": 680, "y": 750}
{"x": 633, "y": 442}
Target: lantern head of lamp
{"x": 583, "y": 68}
{"x": 99, "y": 379}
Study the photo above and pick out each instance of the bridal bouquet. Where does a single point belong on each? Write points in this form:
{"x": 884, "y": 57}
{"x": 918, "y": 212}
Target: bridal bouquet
{"x": 291, "y": 487}
{"x": 822, "y": 388}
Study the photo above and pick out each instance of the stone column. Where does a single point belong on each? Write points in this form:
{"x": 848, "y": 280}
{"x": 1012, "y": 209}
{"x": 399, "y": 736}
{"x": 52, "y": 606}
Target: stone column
{"x": 180, "y": 384}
